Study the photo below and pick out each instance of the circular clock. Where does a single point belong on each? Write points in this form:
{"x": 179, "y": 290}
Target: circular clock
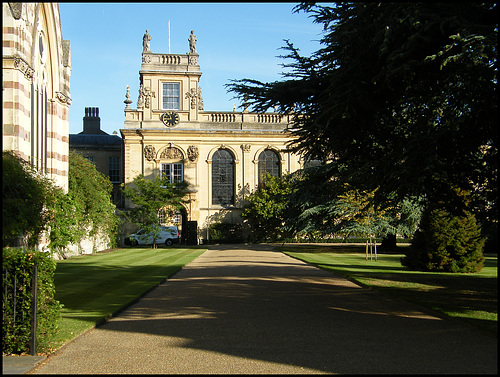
{"x": 170, "y": 118}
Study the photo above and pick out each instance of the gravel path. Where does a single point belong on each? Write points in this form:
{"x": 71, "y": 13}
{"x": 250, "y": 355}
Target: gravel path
{"x": 249, "y": 309}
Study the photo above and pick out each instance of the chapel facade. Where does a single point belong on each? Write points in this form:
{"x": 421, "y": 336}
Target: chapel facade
{"x": 36, "y": 69}
{"x": 222, "y": 155}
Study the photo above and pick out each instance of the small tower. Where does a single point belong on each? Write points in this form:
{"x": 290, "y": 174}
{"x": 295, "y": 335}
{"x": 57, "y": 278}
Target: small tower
{"x": 168, "y": 83}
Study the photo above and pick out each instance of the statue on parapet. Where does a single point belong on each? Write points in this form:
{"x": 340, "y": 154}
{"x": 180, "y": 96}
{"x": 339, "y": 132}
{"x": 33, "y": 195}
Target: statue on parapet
{"x": 145, "y": 42}
{"x": 192, "y": 43}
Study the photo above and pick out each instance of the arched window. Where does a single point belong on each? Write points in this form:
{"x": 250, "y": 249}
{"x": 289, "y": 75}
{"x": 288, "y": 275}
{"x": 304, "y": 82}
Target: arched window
{"x": 172, "y": 167}
{"x": 269, "y": 162}
{"x": 223, "y": 177}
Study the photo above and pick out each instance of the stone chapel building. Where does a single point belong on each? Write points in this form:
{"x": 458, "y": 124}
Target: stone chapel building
{"x": 223, "y": 155}
{"x": 36, "y": 69}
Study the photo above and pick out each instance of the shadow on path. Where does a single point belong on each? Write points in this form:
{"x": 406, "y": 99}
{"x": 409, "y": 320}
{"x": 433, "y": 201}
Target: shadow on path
{"x": 249, "y": 309}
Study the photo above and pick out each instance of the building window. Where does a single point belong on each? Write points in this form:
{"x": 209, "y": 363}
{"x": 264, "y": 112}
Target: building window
{"x": 114, "y": 169}
{"x": 223, "y": 178}
{"x": 176, "y": 218}
{"x": 269, "y": 162}
{"x": 41, "y": 48}
{"x": 90, "y": 158}
{"x": 161, "y": 216}
{"x": 171, "y": 99}
{"x": 172, "y": 172}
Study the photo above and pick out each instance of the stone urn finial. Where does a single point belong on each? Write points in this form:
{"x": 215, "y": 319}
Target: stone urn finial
{"x": 127, "y": 101}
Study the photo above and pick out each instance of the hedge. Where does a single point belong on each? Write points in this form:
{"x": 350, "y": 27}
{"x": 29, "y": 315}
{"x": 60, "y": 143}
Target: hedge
{"x": 18, "y": 267}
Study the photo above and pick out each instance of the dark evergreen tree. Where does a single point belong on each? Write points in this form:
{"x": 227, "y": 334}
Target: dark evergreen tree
{"x": 446, "y": 243}
{"x": 401, "y": 98}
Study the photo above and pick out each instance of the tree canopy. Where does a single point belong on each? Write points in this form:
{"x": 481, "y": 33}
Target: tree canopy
{"x": 86, "y": 209}
{"x": 151, "y": 196}
{"x": 305, "y": 205}
{"x": 401, "y": 98}
{"x": 265, "y": 209}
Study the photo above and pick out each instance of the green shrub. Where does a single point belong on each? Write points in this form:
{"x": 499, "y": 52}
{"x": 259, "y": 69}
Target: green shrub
{"x": 19, "y": 263}
{"x": 447, "y": 243}
{"x": 226, "y": 233}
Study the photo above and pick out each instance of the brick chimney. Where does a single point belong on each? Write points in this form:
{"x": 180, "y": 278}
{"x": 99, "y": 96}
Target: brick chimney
{"x": 92, "y": 122}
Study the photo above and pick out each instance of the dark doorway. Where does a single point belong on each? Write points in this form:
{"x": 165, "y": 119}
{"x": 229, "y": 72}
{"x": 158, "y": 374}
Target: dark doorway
{"x": 191, "y": 233}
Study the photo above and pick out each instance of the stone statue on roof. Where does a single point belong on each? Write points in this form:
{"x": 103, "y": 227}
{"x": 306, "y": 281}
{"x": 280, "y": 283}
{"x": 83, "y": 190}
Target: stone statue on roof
{"x": 192, "y": 43}
{"x": 145, "y": 42}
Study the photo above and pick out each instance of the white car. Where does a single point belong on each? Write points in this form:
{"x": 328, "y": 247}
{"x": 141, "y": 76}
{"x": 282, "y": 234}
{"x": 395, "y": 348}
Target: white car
{"x": 168, "y": 235}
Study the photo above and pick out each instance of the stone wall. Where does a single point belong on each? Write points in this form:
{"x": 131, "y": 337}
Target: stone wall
{"x": 35, "y": 78}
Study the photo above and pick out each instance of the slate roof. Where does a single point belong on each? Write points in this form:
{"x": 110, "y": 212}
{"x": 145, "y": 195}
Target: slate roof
{"x": 86, "y": 139}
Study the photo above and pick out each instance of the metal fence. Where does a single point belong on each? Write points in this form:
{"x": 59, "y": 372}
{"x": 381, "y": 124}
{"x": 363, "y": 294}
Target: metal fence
{"x": 15, "y": 307}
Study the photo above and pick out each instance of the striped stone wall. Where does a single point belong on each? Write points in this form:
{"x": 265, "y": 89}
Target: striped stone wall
{"x": 36, "y": 69}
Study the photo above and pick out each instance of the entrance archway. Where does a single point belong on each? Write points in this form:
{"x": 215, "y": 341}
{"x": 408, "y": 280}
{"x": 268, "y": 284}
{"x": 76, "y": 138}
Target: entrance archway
{"x": 188, "y": 229}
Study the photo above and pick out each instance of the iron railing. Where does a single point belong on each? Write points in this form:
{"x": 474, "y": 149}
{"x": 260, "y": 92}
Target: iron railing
{"x": 15, "y": 308}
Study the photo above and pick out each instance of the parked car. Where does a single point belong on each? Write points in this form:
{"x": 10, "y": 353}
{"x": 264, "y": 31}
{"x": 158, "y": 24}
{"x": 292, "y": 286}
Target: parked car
{"x": 168, "y": 235}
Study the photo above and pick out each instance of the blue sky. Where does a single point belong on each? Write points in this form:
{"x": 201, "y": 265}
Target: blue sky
{"x": 235, "y": 41}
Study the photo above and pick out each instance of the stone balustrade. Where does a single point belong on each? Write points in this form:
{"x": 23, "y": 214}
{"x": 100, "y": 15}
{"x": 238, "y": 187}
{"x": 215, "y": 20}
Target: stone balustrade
{"x": 269, "y": 118}
{"x": 224, "y": 119}
{"x": 244, "y": 117}
{"x": 173, "y": 60}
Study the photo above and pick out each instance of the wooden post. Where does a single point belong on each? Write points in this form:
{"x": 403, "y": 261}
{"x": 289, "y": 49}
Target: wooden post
{"x": 371, "y": 249}
{"x": 366, "y": 249}
{"x": 34, "y": 290}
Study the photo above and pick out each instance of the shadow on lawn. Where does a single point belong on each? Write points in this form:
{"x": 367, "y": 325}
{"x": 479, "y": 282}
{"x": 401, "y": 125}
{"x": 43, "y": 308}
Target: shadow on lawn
{"x": 457, "y": 294}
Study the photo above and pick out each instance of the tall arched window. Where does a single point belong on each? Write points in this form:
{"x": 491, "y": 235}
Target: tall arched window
{"x": 269, "y": 162}
{"x": 223, "y": 177}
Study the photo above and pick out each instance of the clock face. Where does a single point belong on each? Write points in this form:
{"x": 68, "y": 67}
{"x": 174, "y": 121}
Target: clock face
{"x": 170, "y": 118}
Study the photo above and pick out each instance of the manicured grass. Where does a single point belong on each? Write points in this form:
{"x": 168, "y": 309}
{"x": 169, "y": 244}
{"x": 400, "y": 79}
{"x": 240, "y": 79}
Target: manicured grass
{"x": 94, "y": 287}
{"x": 468, "y": 297}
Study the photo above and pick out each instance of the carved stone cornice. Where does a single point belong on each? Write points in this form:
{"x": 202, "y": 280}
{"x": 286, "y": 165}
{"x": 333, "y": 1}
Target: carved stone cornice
{"x": 24, "y": 67}
{"x": 149, "y": 152}
{"x": 193, "y": 59}
{"x": 195, "y": 97}
{"x": 246, "y": 148}
{"x": 171, "y": 153}
{"x": 16, "y": 9}
{"x": 193, "y": 153}
{"x": 63, "y": 98}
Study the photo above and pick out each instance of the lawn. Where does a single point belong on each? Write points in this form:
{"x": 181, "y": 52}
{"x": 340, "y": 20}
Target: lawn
{"x": 94, "y": 287}
{"x": 468, "y": 297}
